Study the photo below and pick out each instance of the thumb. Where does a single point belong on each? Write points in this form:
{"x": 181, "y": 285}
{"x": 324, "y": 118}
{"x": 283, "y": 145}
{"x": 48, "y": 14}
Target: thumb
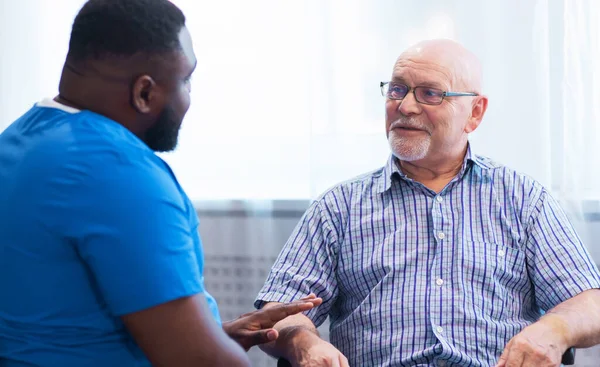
{"x": 262, "y": 336}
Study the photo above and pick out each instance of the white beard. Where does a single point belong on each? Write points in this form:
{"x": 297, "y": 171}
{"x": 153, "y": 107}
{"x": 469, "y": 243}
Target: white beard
{"x": 408, "y": 149}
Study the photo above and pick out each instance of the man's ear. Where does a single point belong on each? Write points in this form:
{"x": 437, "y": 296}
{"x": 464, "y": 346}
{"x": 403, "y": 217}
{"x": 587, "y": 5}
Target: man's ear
{"x": 145, "y": 96}
{"x": 478, "y": 109}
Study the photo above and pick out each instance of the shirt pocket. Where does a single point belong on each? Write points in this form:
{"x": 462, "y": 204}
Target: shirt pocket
{"x": 495, "y": 277}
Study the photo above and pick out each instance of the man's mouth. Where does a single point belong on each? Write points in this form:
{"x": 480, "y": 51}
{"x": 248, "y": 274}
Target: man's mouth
{"x": 408, "y": 128}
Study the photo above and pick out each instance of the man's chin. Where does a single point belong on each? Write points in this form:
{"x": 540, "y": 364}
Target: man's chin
{"x": 164, "y": 149}
{"x": 407, "y": 157}
{"x": 407, "y": 153}
{"x": 162, "y": 146}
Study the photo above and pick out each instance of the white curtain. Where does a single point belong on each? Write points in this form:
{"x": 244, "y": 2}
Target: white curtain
{"x": 286, "y": 103}
{"x": 578, "y": 128}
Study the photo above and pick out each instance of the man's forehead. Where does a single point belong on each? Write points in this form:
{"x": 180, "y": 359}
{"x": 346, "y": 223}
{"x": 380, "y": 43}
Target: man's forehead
{"x": 187, "y": 46}
{"x": 441, "y": 60}
{"x": 422, "y": 72}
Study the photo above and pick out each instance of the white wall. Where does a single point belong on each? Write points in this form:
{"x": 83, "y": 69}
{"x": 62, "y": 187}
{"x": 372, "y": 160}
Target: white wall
{"x": 310, "y": 114}
{"x": 34, "y": 37}
{"x": 329, "y": 127}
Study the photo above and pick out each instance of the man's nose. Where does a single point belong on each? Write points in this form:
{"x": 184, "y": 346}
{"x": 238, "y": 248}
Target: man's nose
{"x": 409, "y": 105}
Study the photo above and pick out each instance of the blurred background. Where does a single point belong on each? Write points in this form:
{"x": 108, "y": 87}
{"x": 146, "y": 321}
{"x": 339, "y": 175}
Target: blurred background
{"x": 286, "y": 103}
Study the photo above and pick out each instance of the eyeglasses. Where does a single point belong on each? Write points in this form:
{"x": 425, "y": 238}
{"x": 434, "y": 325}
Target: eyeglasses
{"x": 424, "y": 95}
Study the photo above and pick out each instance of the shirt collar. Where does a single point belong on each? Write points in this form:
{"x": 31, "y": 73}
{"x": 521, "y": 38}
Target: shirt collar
{"x": 391, "y": 169}
{"x": 50, "y": 103}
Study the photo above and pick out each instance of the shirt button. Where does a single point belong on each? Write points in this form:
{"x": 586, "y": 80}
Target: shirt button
{"x": 501, "y": 253}
{"x": 441, "y": 235}
{"x": 439, "y": 199}
{"x": 441, "y": 363}
{"x": 439, "y": 329}
{"x": 439, "y": 281}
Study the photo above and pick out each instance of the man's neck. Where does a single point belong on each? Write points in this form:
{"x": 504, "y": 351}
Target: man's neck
{"x": 435, "y": 175}
{"x": 63, "y": 101}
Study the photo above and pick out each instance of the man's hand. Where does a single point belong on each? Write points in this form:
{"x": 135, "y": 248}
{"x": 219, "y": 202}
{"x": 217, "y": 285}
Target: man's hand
{"x": 256, "y": 327}
{"x": 319, "y": 354}
{"x": 307, "y": 349}
{"x": 541, "y": 344}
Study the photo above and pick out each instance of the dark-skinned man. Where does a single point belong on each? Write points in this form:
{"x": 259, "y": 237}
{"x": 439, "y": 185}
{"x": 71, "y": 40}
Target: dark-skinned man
{"x": 101, "y": 263}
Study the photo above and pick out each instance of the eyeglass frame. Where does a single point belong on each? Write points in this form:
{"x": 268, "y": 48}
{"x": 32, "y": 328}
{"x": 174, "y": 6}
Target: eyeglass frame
{"x": 412, "y": 89}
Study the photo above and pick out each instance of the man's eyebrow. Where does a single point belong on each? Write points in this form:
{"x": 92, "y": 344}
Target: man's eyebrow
{"x": 432, "y": 85}
{"x": 428, "y": 84}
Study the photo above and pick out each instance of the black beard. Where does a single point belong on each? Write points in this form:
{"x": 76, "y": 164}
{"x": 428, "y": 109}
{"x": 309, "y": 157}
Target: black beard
{"x": 162, "y": 136}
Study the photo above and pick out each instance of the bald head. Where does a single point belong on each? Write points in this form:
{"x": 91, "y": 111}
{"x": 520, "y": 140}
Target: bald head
{"x": 450, "y": 58}
{"x": 431, "y": 125}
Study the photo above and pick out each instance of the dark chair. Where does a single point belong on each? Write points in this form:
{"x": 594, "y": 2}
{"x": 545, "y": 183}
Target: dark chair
{"x": 567, "y": 359}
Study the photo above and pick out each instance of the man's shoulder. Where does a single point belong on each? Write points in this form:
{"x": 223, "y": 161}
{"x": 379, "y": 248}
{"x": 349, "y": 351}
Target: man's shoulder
{"x": 74, "y": 149}
{"x": 96, "y": 132}
{"x": 46, "y": 127}
{"x": 96, "y": 141}
{"x": 508, "y": 178}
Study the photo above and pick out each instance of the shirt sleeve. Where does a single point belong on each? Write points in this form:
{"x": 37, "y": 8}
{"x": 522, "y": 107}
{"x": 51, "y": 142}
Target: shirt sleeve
{"x": 306, "y": 264}
{"x": 132, "y": 228}
{"x": 558, "y": 263}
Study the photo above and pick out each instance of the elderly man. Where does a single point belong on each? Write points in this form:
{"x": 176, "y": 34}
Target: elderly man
{"x": 441, "y": 257}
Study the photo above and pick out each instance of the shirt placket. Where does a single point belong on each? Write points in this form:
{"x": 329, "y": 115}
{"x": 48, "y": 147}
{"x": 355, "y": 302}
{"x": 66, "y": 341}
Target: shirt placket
{"x": 440, "y": 290}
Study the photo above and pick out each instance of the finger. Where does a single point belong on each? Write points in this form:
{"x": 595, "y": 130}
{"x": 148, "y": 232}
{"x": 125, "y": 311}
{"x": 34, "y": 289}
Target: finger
{"x": 504, "y": 356}
{"x": 271, "y": 316}
{"x": 316, "y": 301}
{"x": 247, "y": 314}
{"x": 259, "y": 337}
{"x": 311, "y": 297}
{"x": 344, "y": 361}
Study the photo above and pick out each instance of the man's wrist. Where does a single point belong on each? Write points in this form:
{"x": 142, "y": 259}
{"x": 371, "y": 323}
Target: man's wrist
{"x": 560, "y": 327}
{"x": 293, "y": 340}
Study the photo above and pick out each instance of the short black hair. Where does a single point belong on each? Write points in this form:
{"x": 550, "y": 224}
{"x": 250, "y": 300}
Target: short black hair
{"x": 105, "y": 28}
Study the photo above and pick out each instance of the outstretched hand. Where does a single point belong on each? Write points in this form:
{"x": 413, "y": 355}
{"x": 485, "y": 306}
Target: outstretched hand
{"x": 256, "y": 327}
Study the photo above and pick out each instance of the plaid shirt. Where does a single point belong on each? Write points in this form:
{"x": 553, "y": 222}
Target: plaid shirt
{"x": 413, "y": 278}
